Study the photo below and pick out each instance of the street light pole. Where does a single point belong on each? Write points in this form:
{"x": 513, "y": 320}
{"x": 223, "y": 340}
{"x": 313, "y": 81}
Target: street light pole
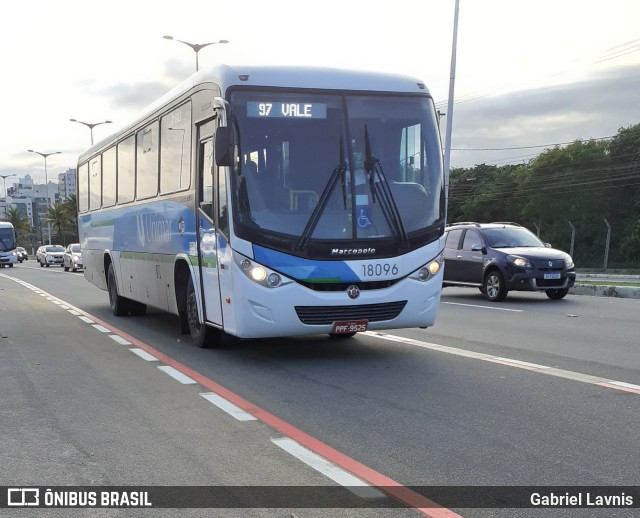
{"x": 90, "y": 126}
{"x": 4, "y": 178}
{"x": 46, "y": 179}
{"x": 197, "y": 47}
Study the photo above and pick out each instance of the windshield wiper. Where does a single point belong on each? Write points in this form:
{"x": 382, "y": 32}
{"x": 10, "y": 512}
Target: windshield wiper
{"x": 338, "y": 174}
{"x": 387, "y": 203}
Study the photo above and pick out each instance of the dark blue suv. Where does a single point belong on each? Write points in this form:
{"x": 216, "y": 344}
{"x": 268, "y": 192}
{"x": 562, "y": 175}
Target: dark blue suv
{"x": 499, "y": 257}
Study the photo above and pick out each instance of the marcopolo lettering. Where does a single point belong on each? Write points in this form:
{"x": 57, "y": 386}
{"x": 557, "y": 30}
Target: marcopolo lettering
{"x": 353, "y": 251}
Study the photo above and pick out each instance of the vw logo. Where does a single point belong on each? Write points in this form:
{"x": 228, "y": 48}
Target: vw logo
{"x": 550, "y": 264}
{"x": 353, "y": 291}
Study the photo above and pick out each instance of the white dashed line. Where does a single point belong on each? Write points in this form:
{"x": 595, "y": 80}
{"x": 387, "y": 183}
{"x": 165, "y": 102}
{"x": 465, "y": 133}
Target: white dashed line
{"x": 228, "y": 407}
{"x": 327, "y": 468}
{"x": 177, "y": 375}
{"x": 86, "y": 319}
{"x": 100, "y": 328}
{"x": 143, "y": 354}
{"x": 74, "y": 312}
{"x": 120, "y": 340}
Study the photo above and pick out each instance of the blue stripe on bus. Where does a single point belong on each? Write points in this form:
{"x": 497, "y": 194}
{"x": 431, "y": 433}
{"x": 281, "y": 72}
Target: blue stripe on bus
{"x": 304, "y": 269}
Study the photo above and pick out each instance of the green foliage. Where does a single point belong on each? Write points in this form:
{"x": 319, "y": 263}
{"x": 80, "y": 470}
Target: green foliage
{"x": 581, "y": 184}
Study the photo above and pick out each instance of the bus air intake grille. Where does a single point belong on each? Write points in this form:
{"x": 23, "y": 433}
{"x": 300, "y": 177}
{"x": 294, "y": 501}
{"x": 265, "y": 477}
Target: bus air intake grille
{"x": 326, "y": 315}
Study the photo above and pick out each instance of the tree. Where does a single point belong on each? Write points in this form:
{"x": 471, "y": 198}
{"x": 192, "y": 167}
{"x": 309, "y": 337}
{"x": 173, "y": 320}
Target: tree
{"x": 20, "y": 223}
{"x": 58, "y": 217}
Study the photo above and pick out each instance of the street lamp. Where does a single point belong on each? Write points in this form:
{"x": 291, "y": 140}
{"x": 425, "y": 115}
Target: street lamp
{"x": 90, "y": 126}
{"x": 196, "y": 46}
{"x": 46, "y": 179}
{"x": 4, "y": 178}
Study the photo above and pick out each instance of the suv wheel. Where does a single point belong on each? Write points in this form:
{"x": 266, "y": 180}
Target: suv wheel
{"x": 494, "y": 287}
{"x": 557, "y": 294}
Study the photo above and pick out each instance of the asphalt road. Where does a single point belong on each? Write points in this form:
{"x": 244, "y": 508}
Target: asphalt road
{"x": 452, "y": 405}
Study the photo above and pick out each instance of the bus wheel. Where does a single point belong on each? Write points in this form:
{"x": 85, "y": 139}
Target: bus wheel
{"x": 201, "y": 334}
{"x": 119, "y": 306}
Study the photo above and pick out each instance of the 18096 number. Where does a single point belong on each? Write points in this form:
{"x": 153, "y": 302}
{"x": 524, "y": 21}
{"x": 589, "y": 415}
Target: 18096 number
{"x": 379, "y": 269}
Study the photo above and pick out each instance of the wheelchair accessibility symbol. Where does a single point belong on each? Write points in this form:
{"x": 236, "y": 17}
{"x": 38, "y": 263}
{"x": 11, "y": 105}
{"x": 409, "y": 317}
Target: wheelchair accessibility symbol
{"x": 364, "y": 219}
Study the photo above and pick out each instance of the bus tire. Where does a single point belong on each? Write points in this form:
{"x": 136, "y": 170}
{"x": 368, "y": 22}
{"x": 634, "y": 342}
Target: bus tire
{"x": 119, "y": 305}
{"x": 201, "y": 334}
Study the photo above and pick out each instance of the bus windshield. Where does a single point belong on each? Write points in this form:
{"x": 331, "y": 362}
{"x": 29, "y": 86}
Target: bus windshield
{"x": 7, "y": 239}
{"x": 340, "y": 168}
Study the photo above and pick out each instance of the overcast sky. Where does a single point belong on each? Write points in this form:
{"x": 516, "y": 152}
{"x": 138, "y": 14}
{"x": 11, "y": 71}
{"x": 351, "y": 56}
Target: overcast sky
{"x": 529, "y": 72}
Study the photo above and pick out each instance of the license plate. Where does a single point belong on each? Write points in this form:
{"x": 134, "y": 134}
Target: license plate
{"x": 552, "y": 275}
{"x": 350, "y": 326}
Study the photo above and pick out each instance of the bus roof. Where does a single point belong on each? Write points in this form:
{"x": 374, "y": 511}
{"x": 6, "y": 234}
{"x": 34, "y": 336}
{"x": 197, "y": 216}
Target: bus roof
{"x": 228, "y": 76}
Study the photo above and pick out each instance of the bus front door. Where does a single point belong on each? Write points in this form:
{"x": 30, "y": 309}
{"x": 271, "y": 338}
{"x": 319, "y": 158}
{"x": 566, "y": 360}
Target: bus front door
{"x": 207, "y": 236}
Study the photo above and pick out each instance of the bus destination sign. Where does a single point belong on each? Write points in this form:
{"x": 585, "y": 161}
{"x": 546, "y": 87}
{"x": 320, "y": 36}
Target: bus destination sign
{"x": 286, "y": 110}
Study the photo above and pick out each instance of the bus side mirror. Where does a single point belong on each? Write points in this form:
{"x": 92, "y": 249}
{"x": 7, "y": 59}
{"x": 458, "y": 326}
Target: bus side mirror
{"x": 224, "y": 147}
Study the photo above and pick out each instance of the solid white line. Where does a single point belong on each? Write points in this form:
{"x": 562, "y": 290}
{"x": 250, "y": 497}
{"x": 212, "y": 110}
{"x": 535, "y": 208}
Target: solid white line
{"x": 86, "y": 319}
{"x": 484, "y": 307}
{"x": 508, "y": 362}
{"x": 102, "y": 329}
{"x": 177, "y": 375}
{"x": 329, "y": 469}
{"x": 520, "y": 362}
{"x": 144, "y": 354}
{"x": 228, "y": 407}
{"x": 120, "y": 340}
{"x": 627, "y": 385}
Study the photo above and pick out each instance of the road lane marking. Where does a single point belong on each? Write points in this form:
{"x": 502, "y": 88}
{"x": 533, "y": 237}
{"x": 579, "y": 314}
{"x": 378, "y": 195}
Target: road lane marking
{"x": 86, "y": 319}
{"x": 143, "y": 354}
{"x": 328, "y": 469}
{"x": 100, "y": 328}
{"x": 510, "y": 362}
{"x": 394, "y": 489}
{"x": 484, "y": 307}
{"x": 120, "y": 340}
{"x": 177, "y": 375}
{"x": 228, "y": 407}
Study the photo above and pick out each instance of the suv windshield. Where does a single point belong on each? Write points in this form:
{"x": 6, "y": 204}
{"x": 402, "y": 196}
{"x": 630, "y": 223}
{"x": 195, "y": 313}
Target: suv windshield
{"x": 301, "y": 175}
{"x": 511, "y": 238}
{"x": 75, "y": 249}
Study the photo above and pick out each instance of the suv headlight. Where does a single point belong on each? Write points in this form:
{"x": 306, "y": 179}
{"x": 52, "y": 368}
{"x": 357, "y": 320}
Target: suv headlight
{"x": 568, "y": 262}
{"x": 521, "y": 262}
{"x": 258, "y": 273}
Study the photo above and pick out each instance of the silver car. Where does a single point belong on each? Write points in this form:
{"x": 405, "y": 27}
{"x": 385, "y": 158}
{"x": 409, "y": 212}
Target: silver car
{"x": 72, "y": 259}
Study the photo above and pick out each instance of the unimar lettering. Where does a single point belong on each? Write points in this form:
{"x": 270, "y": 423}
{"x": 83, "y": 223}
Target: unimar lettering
{"x": 353, "y": 251}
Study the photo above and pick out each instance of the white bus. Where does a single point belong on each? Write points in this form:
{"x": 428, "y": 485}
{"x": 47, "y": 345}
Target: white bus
{"x": 271, "y": 201}
{"x": 8, "y": 253}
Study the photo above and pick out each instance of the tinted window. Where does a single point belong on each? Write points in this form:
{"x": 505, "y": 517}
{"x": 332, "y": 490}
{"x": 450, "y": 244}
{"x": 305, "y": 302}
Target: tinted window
{"x": 471, "y": 238}
{"x": 453, "y": 238}
{"x": 109, "y": 177}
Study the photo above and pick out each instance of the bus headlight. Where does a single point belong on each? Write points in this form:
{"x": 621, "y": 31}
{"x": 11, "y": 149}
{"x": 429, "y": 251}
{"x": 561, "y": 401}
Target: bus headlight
{"x": 427, "y": 271}
{"x": 258, "y": 273}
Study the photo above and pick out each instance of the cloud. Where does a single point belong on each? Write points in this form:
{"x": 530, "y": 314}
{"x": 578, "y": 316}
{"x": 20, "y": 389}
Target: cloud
{"x": 591, "y": 108}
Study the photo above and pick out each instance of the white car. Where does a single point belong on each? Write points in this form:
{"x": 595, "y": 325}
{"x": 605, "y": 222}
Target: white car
{"x": 50, "y": 254}
{"x": 72, "y": 259}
